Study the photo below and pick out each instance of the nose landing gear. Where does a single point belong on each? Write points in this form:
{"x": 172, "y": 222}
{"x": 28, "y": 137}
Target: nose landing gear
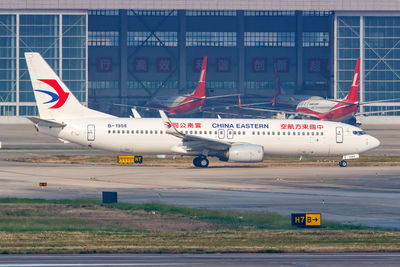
{"x": 343, "y": 163}
{"x": 201, "y": 162}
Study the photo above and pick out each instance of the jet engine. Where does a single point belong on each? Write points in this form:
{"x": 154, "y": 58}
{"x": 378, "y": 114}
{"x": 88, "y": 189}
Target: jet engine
{"x": 244, "y": 153}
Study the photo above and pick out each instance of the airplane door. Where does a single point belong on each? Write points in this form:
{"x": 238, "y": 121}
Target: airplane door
{"x": 91, "y": 132}
{"x": 339, "y": 135}
{"x": 229, "y": 133}
{"x": 221, "y": 133}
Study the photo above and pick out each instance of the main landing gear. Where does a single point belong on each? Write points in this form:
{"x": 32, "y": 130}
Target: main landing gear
{"x": 343, "y": 163}
{"x": 201, "y": 162}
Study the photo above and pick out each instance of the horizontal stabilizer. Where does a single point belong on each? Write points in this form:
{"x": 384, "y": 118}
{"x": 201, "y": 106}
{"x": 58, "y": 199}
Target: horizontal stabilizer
{"x": 46, "y": 123}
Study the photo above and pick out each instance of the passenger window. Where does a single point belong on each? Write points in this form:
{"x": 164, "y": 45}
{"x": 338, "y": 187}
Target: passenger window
{"x": 322, "y": 133}
{"x": 123, "y": 131}
{"x": 215, "y": 132}
{"x": 312, "y": 133}
{"x": 109, "y": 131}
{"x": 238, "y": 133}
{"x": 304, "y": 133}
{"x": 146, "y": 131}
{"x": 288, "y": 133}
{"x": 269, "y": 133}
{"x": 273, "y": 133}
{"x": 141, "y": 131}
{"x": 279, "y": 133}
{"x": 151, "y": 131}
{"x": 308, "y": 133}
{"x": 155, "y": 131}
{"x": 200, "y": 132}
{"x": 191, "y": 132}
{"x": 263, "y": 133}
{"x": 244, "y": 133}
{"x": 253, "y": 133}
{"x": 283, "y": 133}
{"x": 118, "y": 131}
{"x": 317, "y": 133}
{"x": 113, "y": 131}
{"x": 132, "y": 132}
{"x": 195, "y": 132}
{"x": 161, "y": 132}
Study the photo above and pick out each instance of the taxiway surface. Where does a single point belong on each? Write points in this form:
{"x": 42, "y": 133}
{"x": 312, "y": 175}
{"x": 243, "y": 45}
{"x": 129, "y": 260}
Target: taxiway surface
{"x": 358, "y": 195}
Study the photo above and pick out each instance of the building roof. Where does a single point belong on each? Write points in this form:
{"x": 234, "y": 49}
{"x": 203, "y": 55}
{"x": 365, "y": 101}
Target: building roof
{"x": 331, "y": 5}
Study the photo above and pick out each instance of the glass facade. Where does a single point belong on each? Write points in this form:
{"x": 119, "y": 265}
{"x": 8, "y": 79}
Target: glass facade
{"x": 378, "y": 39}
{"x": 74, "y": 54}
{"x": 152, "y": 39}
{"x": 8, "y": 65}
{"x": 347, "y": 52}
{"x": 59, "y": 38}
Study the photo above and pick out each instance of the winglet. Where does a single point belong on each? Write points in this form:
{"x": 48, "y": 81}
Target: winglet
{"x": 135, "y": 113}
{"x": 169, "y": 127}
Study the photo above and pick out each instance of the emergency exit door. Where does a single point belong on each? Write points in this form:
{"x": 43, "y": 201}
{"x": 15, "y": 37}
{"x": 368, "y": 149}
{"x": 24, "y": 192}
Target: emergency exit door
{"x": 91, "y": 132}
{"x": 339, "y": 135}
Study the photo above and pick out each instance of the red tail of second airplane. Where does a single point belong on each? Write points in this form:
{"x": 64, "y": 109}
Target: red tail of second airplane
{"x": 200, "y": 90}
{"x": 352, "y": 96}
{"x": 277, "y": 91}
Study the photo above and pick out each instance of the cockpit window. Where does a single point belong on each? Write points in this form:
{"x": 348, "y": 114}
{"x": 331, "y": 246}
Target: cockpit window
{"x": 358, "y": 132}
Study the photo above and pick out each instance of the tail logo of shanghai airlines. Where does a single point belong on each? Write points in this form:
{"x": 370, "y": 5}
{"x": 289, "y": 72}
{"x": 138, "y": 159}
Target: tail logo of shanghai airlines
{"x": 355, "y": 80}
{"x": 60, "y": 97}
{"x": 168, "y": 124}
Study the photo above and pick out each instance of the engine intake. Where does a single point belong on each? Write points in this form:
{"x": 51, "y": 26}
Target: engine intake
{"x": 245, "y": 153}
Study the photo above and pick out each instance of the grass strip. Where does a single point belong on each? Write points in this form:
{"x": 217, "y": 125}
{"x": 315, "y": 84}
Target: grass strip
{"x": 88, "y": 226}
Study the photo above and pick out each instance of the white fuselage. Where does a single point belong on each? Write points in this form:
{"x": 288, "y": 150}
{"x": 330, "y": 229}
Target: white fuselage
{"x": 278, "y": 137}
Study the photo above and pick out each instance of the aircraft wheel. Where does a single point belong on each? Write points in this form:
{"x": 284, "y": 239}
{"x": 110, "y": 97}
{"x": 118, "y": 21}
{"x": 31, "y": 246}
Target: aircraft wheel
{"x": 196, "y": 162}
{"x": 203, "y": 162}
{"x": 343, "y": 163}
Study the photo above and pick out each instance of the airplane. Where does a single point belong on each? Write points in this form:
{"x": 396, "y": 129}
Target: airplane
{"x": 280, "y": 99}
{"x": 178, "y": 104}
{"x": 343, "y": 110}
{"x": 235, "y": 140}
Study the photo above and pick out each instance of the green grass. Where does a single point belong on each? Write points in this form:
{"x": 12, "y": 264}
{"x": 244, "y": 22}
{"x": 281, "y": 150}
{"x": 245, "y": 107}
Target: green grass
{"x": 88, "y": 226}
{"x": 231, "y": 219}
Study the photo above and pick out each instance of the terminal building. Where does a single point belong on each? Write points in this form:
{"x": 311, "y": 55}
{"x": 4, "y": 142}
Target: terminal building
{"x": 126, "y": 52}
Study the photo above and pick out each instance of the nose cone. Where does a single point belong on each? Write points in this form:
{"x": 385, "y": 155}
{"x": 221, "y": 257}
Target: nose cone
{"x": 373, "y": 142}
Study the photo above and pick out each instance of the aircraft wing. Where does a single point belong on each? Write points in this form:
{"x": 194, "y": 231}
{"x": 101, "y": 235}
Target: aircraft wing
{"x": 47, "y": 123}
{"x": 194, "y": 142}
{"x": 367, "y": 113}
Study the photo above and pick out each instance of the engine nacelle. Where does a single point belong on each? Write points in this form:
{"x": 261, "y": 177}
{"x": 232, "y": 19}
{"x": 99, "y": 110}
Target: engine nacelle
{"x": 245, "y": 153}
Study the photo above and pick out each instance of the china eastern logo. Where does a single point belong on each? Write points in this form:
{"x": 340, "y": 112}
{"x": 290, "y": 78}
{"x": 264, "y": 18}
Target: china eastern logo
{"x": 168, "y": 124}
{"x": 60, "y": 96}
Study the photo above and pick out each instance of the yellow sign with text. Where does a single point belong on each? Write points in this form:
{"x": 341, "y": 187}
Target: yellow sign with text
{"x": 306, "y": 219}
{"x": 313, "y": 219}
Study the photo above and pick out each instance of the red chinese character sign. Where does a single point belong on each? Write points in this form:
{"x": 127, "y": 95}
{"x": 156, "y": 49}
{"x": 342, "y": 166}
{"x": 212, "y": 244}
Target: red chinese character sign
{"x": 104, "y": 64}
{"x": 164, "y": 64}
{"x": 281, "y": 65}
{"x": 141, "y": 64}
{"x": 259, "y": 64}
{"x": 223, "y": 64}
